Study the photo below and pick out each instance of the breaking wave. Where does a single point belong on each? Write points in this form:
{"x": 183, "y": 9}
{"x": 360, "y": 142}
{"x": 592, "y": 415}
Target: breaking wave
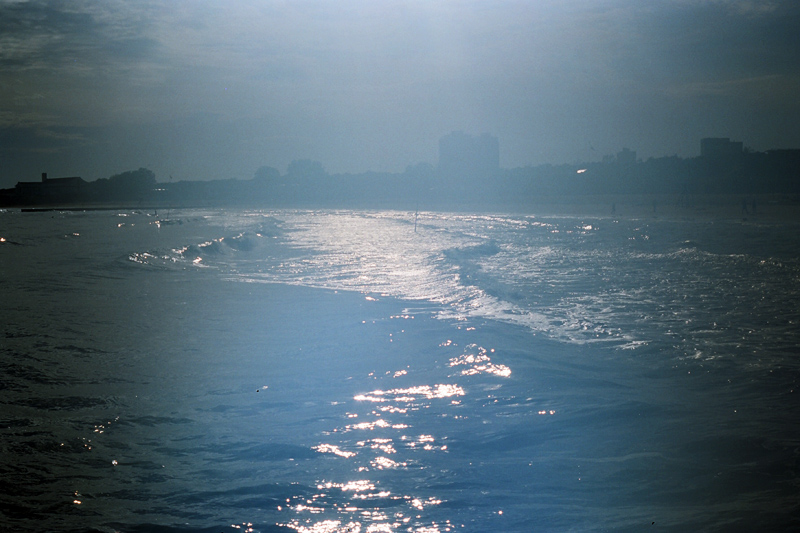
{"x": 566, "y": 278}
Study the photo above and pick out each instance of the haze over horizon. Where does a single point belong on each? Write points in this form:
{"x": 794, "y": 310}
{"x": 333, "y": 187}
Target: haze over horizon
{"x": 214, "y": 90}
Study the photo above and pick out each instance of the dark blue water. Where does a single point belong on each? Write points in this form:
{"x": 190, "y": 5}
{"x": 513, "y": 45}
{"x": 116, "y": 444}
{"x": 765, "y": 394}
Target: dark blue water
{"x": 337, "y": 371}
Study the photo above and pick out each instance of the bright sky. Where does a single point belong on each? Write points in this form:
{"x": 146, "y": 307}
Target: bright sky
{"x": 206, "y": 89}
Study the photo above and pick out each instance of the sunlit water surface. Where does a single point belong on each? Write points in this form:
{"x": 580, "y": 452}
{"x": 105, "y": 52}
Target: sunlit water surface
{"x": 321, "y": 371}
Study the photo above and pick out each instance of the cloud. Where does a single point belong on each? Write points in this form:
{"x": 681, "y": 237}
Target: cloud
{"x": 48, "y": 34}
{"x": 38, "y": 140}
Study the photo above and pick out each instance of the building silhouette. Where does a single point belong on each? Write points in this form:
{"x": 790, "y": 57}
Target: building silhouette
{"x": 55, "y": 189}
{"x": 720, "y": 148}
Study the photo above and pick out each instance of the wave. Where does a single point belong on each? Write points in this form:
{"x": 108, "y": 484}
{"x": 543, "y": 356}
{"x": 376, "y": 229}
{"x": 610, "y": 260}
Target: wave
{"x": 255, "y": 242}
{"x": 566, "y": 278}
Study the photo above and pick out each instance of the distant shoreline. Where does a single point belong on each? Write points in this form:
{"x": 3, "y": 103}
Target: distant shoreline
{"x": 767, "y": 207}
{"x": 759, "y": 207}
{"x": 43, "y": 209}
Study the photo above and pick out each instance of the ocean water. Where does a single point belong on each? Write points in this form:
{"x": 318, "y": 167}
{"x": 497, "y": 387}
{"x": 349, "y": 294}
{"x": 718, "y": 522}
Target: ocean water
{"x": 363, "y": 371}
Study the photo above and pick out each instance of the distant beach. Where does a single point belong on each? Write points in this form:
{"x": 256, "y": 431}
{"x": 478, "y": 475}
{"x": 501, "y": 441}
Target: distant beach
{"x": 768, "y": 207}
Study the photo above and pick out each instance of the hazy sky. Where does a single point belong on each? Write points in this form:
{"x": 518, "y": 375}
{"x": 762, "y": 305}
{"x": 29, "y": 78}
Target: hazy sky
{"x": 215, "y": 89}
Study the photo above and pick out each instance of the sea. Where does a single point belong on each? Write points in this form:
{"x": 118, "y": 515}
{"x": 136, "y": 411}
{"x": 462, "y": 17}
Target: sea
{"x": 375, "y": 371}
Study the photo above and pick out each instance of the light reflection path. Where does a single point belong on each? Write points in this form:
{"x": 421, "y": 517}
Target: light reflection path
{"x": 379, "y": 441}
